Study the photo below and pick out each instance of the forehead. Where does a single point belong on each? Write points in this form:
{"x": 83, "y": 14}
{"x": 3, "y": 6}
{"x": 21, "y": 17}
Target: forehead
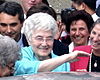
{"x": 8, "y": 18}
{"x": 42, "y": 33}
{"x": 78, "y": 23}
{"x": 29, "y": 0}
{"x": 96, "y": 28}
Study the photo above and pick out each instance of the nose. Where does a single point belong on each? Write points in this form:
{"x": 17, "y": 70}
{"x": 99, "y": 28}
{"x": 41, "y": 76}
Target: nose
{"x": 96, "y": 38}
{"x": 77, "y": 32}
{"x": 44, "y": 42}
{"x": 8, "y": 28}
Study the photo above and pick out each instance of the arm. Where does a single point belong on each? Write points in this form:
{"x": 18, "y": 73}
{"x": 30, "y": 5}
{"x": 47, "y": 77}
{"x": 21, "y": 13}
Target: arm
{"x": 50, "y": 64}
{"x": 29, "y": 65}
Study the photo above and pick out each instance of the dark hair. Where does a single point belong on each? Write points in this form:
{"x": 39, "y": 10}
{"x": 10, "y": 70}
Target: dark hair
{"x": 12, "y": 8}
{"x": 79, "y": 2}
{"x": 66, "y": 12}
{"x": 96, "y": 22}
{"x": 2, "y": 1}
{"x": 45, "y": 2}
{"x": 68, "y": 18}
{"x": 90, "y": 3}
{"x": 41, "y": 7}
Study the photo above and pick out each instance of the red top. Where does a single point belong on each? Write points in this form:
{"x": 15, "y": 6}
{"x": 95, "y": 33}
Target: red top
{"x": 82, "y": 64}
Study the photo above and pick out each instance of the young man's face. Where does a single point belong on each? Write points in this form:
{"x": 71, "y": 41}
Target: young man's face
{"x": 79, "y": 33}
{"x": 27, "y": 4}
{"x": 10, "y": 26}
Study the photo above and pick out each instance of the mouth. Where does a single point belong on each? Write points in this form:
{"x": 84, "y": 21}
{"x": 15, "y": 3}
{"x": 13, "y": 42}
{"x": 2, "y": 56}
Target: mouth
{"x": 96, "y": 45}
{"x": 10, "y": 35}
{"x": 31, "y": 4}
{"x": 78, "y": 38}
{"x": 44, "y": 49}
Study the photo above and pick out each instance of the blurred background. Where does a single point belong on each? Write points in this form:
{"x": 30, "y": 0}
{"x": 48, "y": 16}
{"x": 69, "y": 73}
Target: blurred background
{"x": 56, "y": 4}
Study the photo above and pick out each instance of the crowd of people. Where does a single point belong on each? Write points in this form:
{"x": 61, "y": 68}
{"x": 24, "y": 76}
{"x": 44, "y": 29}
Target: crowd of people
{"x": 31, "y": 41}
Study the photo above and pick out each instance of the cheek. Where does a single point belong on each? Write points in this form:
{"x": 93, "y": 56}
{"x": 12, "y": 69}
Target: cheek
{"x": 87, "y": 34}
{"x": 38, "y": 1}
{"x": 6, "y": 72}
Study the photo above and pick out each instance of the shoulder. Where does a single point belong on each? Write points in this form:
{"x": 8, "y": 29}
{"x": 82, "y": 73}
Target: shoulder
{"x": 27, "y": 51}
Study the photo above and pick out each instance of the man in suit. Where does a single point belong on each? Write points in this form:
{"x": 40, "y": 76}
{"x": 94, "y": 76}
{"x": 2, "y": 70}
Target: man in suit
{"x": 11, "y": 22}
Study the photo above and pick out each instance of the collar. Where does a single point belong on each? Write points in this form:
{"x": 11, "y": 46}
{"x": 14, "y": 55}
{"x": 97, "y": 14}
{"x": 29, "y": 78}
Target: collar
{"x": 95, "y": 17}
{"x": 20, "y": 42}
{"x": 71, "y": 46}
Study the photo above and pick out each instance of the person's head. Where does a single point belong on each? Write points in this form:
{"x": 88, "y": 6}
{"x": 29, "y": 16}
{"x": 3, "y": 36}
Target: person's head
{"x": 78, "y": 24}
{"x": 27, "y": 4}
{"x": 41, "y": 7}
{"x": 9, "y": 54}
{"x": 11, "y": 19}
{"x": 2, "y": 1}
{"x": 40, "y": 30}
{"x": 84, "y": 4}
{"x": 95, "y": 36}
{"x": 77, "y": 4}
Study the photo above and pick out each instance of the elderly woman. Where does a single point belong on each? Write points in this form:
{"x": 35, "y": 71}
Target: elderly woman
{"x": 9, "y": 54}
{"x": 40, "y": 30}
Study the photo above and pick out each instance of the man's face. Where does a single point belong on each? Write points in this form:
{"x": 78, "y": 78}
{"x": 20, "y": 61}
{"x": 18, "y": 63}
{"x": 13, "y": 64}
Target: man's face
{"x": 42, "y": 42}
{"x": 27, "y": 4}
{"x": 10, "y": 26}
{"x": 79, "y": 33}
{"x": 95, "y": 37}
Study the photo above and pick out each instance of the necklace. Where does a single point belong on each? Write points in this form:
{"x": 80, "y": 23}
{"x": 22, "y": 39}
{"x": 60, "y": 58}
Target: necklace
{"x": 90, "y": 61}
{"x": 95, "y": 64}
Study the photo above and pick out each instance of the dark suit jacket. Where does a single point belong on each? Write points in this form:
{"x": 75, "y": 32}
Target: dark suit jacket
{"x": 59, "y": 48}
{"x": 25, "y": 43}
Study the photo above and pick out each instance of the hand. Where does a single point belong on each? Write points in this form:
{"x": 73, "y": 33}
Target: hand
{"x": 61, "y": 28}
{"x": 76, "y": 54}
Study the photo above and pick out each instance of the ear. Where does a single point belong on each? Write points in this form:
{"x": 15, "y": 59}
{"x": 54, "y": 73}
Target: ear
{"x": 29, "y": 41}
{"x": 83, "y": 6}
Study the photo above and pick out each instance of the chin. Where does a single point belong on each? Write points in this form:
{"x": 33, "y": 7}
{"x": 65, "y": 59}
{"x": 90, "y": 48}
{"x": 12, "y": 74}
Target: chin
{"x": 44, "y": 54}
{"x": 95, "y": 48}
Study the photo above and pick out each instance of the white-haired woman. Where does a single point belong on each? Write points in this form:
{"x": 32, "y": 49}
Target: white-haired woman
{"x": 9, "y": 54}
{"x": 40, "y": 30}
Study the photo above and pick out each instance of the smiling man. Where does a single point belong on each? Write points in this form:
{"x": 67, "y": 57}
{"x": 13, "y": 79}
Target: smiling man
{"x": 11, "y": 22}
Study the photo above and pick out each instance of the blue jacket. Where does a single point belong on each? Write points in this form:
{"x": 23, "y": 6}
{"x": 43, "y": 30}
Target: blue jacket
{"x": 29, "y": 63}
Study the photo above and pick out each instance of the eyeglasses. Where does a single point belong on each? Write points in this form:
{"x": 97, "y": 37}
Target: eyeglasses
{"x": 41, "y": 39}
{"x": 11, "y": 24}
{"x": 11, "y": 67}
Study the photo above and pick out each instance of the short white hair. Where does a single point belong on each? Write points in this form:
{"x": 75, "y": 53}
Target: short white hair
{"x": 39, "y": 21}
